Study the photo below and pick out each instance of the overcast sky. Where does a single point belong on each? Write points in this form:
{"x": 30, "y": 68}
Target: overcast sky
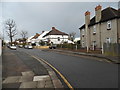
{"x": 36, "y": 17}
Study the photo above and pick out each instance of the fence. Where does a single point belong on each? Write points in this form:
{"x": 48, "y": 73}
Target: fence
{"x": 111, "y": 49}
{"x": 69, "y": 46}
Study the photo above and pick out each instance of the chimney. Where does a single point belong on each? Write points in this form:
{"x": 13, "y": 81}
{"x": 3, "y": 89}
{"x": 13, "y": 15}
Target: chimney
{"x": 98, "y": 13}
{"x": 53, "y": 28}
{"x": 87, "y": 22}
{"x": 87, "y": 18}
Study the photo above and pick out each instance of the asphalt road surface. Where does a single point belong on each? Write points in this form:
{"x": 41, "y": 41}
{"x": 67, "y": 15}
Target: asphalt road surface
{"x": 80, "y": 71}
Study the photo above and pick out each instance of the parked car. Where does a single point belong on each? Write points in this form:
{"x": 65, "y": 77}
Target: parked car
{"x": 28, "y": 47}
{"x": 13, "y": 47}
{"x": 20, "y": 46}
{"x": 8, "y": 46}
{"x": 52, "y": 47}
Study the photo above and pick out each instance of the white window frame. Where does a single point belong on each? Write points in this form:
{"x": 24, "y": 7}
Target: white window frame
{"x": 58, "y": 38}
{"x": 108, "y": 25}
{"x": 83, "y": 44}
{"x": 108, "y": 40}
{"x": 94, "y": 29}
{"x": 83, "y": 32}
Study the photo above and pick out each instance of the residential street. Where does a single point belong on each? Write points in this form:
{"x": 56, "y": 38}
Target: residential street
{"x": 80, "y": 71}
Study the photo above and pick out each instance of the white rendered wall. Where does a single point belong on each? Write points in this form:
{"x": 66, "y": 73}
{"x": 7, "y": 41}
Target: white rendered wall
{"x": 54, "y": 38}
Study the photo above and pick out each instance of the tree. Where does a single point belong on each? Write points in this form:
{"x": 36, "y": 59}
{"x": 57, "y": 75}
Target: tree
{"x": 72, "y": 36}
{"x": 10, "y": 25}
{"x": 24, "y": 34}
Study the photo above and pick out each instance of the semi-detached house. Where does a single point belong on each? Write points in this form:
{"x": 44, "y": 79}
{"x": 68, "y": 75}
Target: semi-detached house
{"x": 104, "y": 27}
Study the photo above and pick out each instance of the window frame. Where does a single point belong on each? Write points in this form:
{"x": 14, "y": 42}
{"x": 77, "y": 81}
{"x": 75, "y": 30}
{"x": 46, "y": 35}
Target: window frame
{"x": 83, "y": 32}
{"x": 108, "y": 40}
{"x": 94, "y": 29}
{"x": 109, "y": 25}
{"x": 83, "y": 43}
{"x": 58, "y": 38}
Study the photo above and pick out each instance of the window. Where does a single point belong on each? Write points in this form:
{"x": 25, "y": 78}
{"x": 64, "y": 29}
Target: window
{"x": 83, "y": 44}
{"x": 108, "y": 40}
{"x": 83, "y": 32}
{"x": 94, "y": 30}
{"x": 58, "y": 38}
{"x": 108, "y": 25}
{"x": 94, "y": 43}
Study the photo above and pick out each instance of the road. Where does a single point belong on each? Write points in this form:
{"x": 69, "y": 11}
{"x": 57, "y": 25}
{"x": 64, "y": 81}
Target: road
{"x": 80, "y": 71}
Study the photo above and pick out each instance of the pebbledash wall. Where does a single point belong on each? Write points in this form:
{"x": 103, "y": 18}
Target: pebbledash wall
{"x": 112, "y": 33}
{"x": 102, "y": 33}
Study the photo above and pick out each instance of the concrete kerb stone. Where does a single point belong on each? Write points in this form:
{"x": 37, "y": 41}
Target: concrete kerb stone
{"x": 55, "y": 81}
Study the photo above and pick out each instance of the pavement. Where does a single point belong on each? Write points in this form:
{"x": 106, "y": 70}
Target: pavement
{"x": 112, "y": 59}
{"x": 20, "y": 70}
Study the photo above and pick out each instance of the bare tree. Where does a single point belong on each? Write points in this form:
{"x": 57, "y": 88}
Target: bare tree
{"x": 72, "y": 36}
{"x": 10, "y": 25}
{"x": 24, "y": 34}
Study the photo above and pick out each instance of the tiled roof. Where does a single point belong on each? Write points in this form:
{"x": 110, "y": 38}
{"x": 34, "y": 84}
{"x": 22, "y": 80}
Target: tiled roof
{"x": 54, "y": 31}
{"x": 107, "y": 14}
{"x": 36, "y": 36}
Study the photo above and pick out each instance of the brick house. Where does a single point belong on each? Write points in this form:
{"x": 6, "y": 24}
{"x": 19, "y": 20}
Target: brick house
{"x": 104, "y": 27}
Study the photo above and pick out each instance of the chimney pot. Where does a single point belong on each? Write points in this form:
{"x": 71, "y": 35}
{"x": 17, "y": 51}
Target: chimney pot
{"x": 98, "y": 7}
{"x": 53, "y": 28}
{"x": 87, "y": 13}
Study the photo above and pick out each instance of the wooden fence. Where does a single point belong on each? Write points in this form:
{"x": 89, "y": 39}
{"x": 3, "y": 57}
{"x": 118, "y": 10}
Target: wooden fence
{"x": 111, "y": 49}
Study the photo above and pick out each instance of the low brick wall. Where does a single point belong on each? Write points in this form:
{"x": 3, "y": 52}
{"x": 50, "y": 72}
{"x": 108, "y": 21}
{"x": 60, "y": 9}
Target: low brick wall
{"x": 41, "y": 47}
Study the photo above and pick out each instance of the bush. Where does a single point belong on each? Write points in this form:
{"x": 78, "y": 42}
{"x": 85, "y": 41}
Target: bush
{"x": 42, "y": 43}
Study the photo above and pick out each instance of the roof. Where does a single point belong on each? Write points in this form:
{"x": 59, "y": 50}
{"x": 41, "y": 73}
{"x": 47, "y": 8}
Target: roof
{"x": 36, "y": 36}
{"x": 54, "y": 31}
{"x": 107, "y": 14}
{"x": 43, "y": 34}
{"x": 76, "y": 39}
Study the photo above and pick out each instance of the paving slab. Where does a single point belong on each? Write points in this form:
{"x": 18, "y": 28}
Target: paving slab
{"x": 11, "y": 85}
{"x": 41, "y": 84}
{"x": 12, "y": 79}
{"x": 57, "y": 84}
{"x": 49, "y": 86}
{"x": 28, "y": 85}
{"x": 39, "y": 78}
{"x": 28, "y": 73}
{"x": 48, "y": 82}
{"x": 26, "y": 78}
